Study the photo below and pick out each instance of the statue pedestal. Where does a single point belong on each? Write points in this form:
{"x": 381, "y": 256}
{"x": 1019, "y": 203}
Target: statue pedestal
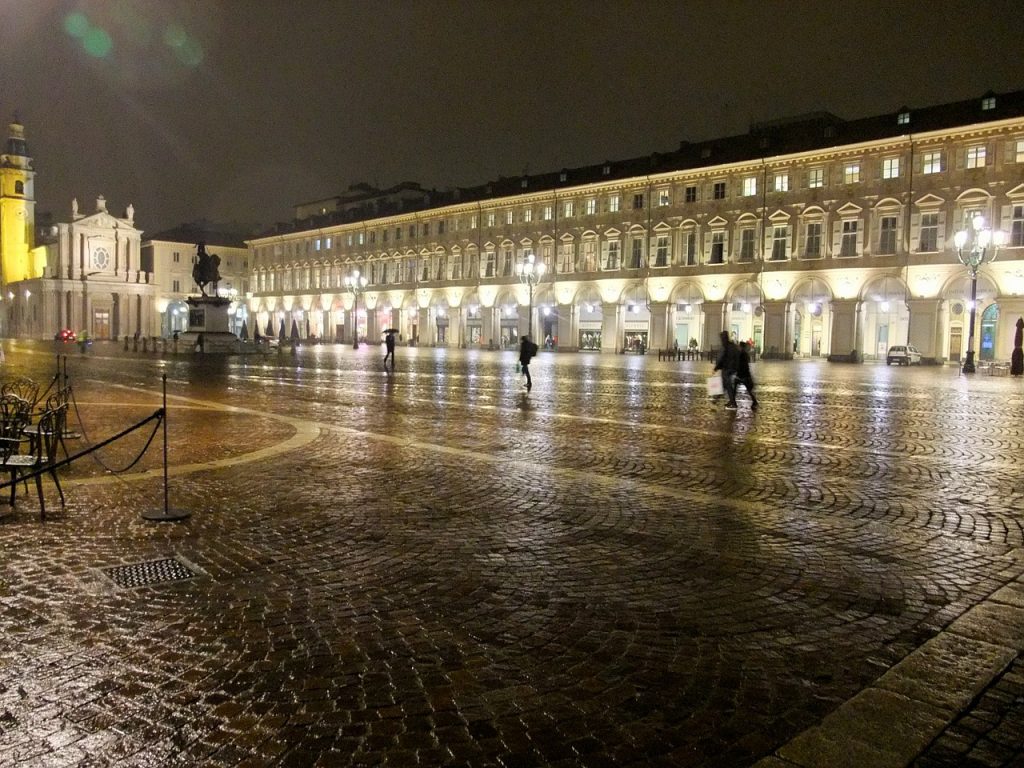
{"x": 208, "y": 326}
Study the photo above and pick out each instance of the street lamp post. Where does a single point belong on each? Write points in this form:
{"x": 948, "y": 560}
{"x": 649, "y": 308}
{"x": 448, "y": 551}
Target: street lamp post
{"x": 530, "y": 272}
{"x": 355, "y": 283}
{"x": 974, "y": 248}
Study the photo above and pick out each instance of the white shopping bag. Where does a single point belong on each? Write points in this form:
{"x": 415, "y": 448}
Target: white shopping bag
{"x": 715, "y": 388}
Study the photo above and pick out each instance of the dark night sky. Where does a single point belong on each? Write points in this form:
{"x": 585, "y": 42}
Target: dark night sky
{"x": 237, "y": 110}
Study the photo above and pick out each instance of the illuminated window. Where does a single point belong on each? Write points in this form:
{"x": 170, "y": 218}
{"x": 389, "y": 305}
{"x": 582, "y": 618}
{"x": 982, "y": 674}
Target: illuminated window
{"x": 1019, "y": 151}
{"x": 569, "y": 209}
{"x": 489, "y": 263}
{"x": 975, "y": 157}
{"x": 528, "y": 215}
{"x": 887, "y": 235}
{"x": 472, "y": 222}
{"x": 591, "y": 206}
{"x": 851, "y": 173}
{"x": 782, "y": 182}
{"x": 890, "y": 168}
{"x": 931, "y": 162}
{"x": 610, "y": 255}
{"x": 903, "y": 118}
{"x": 718, "y": 191}
{"x": 589, "y": 260}
{"x": 690, "y": 194}
{"x": 816, "y": 178}
{"x": 508, "y": 216}
{"x": 615, "y": 201}
{"x": 566, "y": 256}
{"x": 548, "y": 212}
{"x": 490, "y": 219}
{"x": 329, "y": 240}
{"x": 750, "y": 186}
{"x": 664, "y": 197}
{"x": 989, "y": 102}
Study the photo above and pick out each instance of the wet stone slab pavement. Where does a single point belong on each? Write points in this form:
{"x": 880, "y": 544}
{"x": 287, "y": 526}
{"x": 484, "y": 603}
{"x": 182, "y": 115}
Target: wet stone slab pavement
{"x": 429, "y": 567}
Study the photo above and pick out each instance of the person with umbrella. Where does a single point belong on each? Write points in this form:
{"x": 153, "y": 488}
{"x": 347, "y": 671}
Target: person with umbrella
{"x": 389, "y": 347}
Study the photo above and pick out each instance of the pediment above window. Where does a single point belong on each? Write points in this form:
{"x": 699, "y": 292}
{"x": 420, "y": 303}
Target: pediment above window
{"x": 718, "y": 222}
{"x": 929, "y": 201}
{"x": 850, "y": 209}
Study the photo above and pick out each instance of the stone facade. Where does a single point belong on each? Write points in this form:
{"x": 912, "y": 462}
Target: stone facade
{"x": 811, "y": 237}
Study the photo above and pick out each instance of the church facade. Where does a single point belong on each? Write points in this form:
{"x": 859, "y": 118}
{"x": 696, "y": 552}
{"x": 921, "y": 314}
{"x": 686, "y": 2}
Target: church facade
{"x": 85, "y": 275}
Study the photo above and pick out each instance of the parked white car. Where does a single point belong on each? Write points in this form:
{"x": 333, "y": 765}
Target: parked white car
{"x": 904, "y": 355}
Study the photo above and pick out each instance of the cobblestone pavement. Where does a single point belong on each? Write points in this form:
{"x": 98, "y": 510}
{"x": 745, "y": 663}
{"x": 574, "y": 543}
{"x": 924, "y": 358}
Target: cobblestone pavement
{"x": 432, "y": 568}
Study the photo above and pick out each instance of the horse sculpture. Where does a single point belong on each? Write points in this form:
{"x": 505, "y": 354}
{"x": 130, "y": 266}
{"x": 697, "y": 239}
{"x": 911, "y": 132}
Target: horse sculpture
{"x": 206, "y": 270}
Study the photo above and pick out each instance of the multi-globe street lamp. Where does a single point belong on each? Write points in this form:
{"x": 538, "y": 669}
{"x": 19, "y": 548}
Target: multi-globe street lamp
{"x": 530, "y": 272}
{"x": 355, "y": 283}
{"x": 974, "y": 248}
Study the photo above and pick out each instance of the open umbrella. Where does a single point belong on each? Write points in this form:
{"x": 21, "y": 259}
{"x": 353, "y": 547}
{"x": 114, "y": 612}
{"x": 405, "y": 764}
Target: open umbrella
{"x": 280, "y": 334}
{"x": 390, "y": 330}
{"x": 295, "y": 331}
{"x": 270, "y": 327}
{"x": 1017, "y": 356}
{"x": 245, "y": 331}
{"x": 256, "y": 337}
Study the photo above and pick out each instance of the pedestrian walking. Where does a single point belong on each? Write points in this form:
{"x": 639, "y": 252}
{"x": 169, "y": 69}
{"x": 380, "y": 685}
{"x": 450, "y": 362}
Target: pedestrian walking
{"x": 389, "y": 346}
{"x": 527, "y": 349}
{"x": 744, "y": 375}
{"x": 728, "y": 360}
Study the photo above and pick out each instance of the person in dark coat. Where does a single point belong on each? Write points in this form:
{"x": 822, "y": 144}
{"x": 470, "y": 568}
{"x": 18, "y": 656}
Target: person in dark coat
{"x": 389, "y": 346}
{"x": 728, "y": 360}
{"x": 744, "y": 375}
{"x": 527, "y": 349}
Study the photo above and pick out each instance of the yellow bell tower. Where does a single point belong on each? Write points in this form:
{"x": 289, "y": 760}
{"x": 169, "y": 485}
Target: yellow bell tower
{"x": 17, "y": 208}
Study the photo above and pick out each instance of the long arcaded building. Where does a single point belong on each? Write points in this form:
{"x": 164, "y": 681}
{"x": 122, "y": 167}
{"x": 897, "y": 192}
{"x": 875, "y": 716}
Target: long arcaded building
{"x": 811, "y": 236}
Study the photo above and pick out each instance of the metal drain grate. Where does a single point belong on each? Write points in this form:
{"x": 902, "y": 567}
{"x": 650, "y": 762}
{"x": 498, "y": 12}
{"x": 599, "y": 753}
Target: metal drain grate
{"x": 152, "y": 572}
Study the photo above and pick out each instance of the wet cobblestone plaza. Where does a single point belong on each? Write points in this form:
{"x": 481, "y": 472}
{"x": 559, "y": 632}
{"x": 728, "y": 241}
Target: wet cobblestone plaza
{"x": 431, "y": 568}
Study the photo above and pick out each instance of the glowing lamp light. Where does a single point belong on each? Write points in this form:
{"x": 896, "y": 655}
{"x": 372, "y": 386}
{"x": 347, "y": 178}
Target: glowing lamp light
{"x": 884, "y": 306}
{"x": 28, "y": 293}
{"x": 746, "y": 307}
{"x": 10, "y": 294}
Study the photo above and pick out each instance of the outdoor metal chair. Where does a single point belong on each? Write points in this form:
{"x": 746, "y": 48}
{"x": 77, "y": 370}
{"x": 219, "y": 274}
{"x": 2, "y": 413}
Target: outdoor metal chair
{"x": 22, "y": 387}
{"x": 59, "y": 403}
{"x": 41, "y": 457}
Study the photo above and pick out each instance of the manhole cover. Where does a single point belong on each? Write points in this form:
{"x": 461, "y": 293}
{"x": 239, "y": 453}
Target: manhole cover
{"x": 152, "y": 572}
